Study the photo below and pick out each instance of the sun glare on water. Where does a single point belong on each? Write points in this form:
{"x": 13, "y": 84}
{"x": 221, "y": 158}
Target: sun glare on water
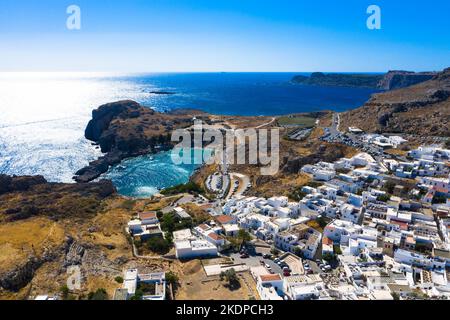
{"x": 43, "y": 116}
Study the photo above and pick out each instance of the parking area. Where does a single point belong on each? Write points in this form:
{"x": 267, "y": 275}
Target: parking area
{"x": 255, "y": 260}
{"x": 314, "y": 267}
{"x": 295, "y": 264}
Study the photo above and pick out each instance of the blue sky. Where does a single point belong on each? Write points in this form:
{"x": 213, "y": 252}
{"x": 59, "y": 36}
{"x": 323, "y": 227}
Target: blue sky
{"x": 224, "y": 35}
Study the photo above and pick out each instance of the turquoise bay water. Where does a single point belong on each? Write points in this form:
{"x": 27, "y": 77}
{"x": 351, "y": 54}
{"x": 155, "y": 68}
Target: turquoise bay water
{"x": 146, "y": 175}
{"x": 43, "y": 116}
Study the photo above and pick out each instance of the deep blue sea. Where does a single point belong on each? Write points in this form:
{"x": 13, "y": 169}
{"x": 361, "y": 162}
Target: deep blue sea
{"x": 247, "y": 93}
{"x": 43, "y": 116}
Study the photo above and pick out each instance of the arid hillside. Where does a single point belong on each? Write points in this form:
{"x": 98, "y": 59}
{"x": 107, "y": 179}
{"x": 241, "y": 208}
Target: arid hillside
{"x": 66, "y": 225}
{"x": 422, "y": 109}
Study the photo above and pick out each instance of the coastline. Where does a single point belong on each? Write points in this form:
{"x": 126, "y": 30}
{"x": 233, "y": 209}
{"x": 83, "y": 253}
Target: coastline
{"x": 125, "y": 129}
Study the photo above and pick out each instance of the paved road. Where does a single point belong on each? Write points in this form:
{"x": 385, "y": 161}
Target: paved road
{"x": 243, "y": 183}
{"x": 333, "y": 134}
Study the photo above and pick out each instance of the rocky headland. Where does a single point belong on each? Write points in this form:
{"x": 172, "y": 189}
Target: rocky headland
{"x": 126, "y": 129}
{"x": 422, "y": 109}
{"x": 389, "y": 81}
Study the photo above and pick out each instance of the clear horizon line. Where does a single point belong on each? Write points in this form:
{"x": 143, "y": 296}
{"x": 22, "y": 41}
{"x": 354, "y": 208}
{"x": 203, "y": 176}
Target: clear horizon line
{"x": 196, "y": 71}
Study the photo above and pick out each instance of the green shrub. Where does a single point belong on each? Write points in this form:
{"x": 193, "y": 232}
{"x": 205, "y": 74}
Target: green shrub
{"x": 100, "y": 294}
{"x": 384, "y": 197}
{"x": 190, "y": 187}
{"x": 158, "y": 245}
{"x": 172, "y": 278}
{"x": 170, "y": 223}
{"x": 439, "y": 199}
{"x": 128, "y": 204}
{"x": 447, "y": 144}
{"x": 64, "y": 291}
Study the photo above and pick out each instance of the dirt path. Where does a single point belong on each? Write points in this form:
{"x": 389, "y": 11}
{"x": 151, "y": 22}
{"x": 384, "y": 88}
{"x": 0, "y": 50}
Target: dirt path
{"x": 266, "y": 124}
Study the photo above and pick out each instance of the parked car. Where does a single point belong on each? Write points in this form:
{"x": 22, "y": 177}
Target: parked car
{"x": 262, "y": 262}
{"x": 286, "y": 273}
{"x": 268, "y": 267}
{"x": 244, "y": 255}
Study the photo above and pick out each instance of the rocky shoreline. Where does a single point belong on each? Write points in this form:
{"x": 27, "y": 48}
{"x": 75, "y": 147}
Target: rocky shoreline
{"x": 125, "y": 129}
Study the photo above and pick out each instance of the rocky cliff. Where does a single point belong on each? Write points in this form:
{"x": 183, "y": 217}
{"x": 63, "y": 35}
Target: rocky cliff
{"x": 126, "y": 129}
{"x": 389, "y": 81}
{"x": 402, "y": 79}
{"x": 422, "y": 109}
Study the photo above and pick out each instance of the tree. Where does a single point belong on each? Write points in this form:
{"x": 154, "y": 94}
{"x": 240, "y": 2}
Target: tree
{"x": 138, "y": 294}
{"x": 170, "y": 222}
{"x": 231, "y": 277}
{"x": 447, "y": 144}
{"x": 190, "y": 187}
{"x": 328, "y": 257}
{"x": 298, "y": 252}
{"x": 297, "y": 194}
{"x": 172, "y": 278}
{"x": 118, "y": 279}
{"x": 158, "y": 245}
{"x": 100, "y": 294}
{"x": 337, "y": 249}
{"x": 439, "y": 199}
{"x": 383, "y": 197}
{"x": 322, "y": 222}
{"x": 64, "y": 291}
{"x": 274, "y": 251}
{"x": 389, "y": 187}
{"x": 243, "y": 236}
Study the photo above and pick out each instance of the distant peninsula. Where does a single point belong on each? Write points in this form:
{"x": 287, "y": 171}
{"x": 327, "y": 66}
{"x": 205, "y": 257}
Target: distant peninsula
{"x": 389, "y": 81}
